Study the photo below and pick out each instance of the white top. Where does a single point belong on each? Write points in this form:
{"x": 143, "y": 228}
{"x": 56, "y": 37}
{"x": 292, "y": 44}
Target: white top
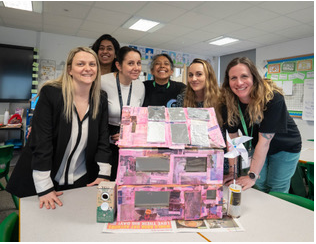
{"x": 74, "y": 158}
{"x": 108, "y": 84}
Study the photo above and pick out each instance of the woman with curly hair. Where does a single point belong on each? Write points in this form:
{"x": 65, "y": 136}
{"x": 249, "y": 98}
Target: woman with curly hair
{"x": 256, "y": 107}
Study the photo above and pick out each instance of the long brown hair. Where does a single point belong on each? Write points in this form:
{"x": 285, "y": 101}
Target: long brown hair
{"x": 261, "y": 93}
{"x": 211, "y": 91}
{"x": 65, "y": 82}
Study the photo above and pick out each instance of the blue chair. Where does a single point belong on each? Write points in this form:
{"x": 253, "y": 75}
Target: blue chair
{"x": 9, "y": 228}
{"x": 6, "y": 154}
{"x": 298, "y": 200}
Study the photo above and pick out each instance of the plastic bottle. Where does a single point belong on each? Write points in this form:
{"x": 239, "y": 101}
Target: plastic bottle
{"x": 6, "y": 117}
{"x": 234, "y": 198}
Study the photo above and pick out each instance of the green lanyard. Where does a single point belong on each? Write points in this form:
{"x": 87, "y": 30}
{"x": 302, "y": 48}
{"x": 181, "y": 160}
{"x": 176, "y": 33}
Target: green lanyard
{"x": 154, "y": 84}
{"x": 244, "y": 125}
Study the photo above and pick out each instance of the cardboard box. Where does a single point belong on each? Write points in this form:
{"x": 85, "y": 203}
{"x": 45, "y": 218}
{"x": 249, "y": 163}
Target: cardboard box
{"x": 106, "y": 202}
{"x": 168, "y": 202}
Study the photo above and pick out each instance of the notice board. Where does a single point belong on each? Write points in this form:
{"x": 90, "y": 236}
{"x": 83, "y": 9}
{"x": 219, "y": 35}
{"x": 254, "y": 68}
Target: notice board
{"x": 295, "y": 75}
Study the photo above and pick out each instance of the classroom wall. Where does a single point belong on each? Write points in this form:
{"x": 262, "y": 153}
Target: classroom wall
{"x": 283, "y": 50}
{"x": 56, "y": 47}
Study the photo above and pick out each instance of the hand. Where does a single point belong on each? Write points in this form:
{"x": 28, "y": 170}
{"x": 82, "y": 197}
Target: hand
{"x": 228, "y": 179}
{"x": 115, "y": 137}
{"x": 97, "y": 181}
{"x": 50, "y": 199}
{"x": 245, "y": 182}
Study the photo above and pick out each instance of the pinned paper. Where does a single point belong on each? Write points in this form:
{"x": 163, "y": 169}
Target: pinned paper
{"x": 236, "y": 147}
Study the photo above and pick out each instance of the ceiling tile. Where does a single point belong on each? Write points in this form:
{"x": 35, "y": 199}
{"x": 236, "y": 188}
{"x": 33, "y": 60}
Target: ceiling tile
{"x": 199, "y": 35}
{"x": 129, "y": 7}
{"x": 68, "y": 9}
{"x": 154, "y": 39}
{"x": 127, "y": 36}
{"x": 246, "y": 33}
{"x": 301, "y": 31}
{"x": 277, "y": 24}
{"x": 222, "y": 27}
{"x": 160, "y": 12}
{"x": 108, "y": 17}
{"x": 61, "y": 22}
{"x": 97, "y": 27}
{"x": 269, "y": 39}
{"x": 222, "y": 9}
{"x": 173, "y": 30}
{"x": 252, "y": 16}
{"x": 188, "y": 5}
{"x": 285, "y": 7}
{"x": 193, "y": 20}
{"x": 304, "y": 15}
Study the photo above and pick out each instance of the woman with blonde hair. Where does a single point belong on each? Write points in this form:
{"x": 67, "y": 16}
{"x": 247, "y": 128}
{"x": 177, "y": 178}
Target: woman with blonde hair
{"x": 202, "y": 90}
{"x": 69, "y": 143}
{"x": 256, "y": 107}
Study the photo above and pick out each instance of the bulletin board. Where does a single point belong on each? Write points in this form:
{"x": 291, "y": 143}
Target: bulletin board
{"x": 295, "y": 75}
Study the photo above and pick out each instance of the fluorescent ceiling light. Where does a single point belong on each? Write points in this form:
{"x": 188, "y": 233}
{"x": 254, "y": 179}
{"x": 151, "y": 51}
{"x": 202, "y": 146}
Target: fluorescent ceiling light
{"x": 220, "y": 41}
{"x": 143, "y": 25}
{"x": 23, "y": 5}
{"x": 139, "y": 24}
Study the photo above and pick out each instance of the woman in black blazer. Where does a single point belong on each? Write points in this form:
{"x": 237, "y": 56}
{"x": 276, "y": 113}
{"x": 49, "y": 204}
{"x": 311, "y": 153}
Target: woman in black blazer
{"x": 69, "y": 143}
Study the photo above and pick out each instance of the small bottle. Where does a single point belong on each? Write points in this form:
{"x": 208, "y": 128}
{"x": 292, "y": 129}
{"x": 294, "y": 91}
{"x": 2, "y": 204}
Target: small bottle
{"x": 6, "y": 117}
{"x": 234, "y": 199}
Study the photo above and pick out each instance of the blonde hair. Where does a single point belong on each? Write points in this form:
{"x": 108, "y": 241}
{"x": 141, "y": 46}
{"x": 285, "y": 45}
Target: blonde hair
{"x": 261, "y": 93}
{"x": 65, "y": 82}
{"x": 211, "y": 90}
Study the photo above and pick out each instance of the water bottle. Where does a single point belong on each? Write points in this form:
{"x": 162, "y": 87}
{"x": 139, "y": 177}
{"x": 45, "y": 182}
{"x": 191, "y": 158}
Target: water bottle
{"x": 6, "y": 117}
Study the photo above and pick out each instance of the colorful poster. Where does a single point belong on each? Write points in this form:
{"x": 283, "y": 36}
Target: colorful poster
{"x": 149, "y": 53}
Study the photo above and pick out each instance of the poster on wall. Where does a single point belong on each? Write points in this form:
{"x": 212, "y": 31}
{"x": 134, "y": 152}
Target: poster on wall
{"x": 47, "y": 70}
{"x": 295, "y": 75}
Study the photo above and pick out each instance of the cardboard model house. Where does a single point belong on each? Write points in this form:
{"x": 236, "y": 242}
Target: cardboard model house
{"x": 170, "y": 164}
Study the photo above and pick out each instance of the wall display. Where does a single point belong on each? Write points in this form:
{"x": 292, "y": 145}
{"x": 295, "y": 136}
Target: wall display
{"x": 295, "y": 75}
{"x": 178, "y": 58}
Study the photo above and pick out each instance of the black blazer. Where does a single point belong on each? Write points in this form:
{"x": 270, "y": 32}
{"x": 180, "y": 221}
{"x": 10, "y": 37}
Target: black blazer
{"x": 47, "y": 143}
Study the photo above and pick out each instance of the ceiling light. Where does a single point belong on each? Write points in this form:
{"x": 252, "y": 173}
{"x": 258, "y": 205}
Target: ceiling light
{"x": 220, "y": 41}
{"x": 139, "y": 24}
{"x": 143, "y": 25}
{"x": 22, "y": 5}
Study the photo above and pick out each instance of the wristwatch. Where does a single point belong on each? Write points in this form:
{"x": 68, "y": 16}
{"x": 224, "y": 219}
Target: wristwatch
{"x": 253, "y": 175}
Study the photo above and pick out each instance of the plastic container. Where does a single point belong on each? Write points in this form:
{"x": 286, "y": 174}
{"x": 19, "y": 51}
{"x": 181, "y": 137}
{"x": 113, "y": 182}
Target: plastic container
{"x": 6, "y": 117}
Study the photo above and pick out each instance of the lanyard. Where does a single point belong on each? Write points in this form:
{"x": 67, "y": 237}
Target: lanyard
{"x": 120, "y": 94}
{"x": 168, "y": 84}
{"x": 244, "y": 125}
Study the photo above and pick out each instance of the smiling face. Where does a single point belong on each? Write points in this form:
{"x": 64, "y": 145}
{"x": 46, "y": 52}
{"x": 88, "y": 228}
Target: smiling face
{"x": 106, "y": 52}
{"x": 196, "y": 77}
{"x": 130, "y": 67}
{"x": 241, "y": 82}
{"x": 162, "y": 70}
{"x": 83, "y": 68}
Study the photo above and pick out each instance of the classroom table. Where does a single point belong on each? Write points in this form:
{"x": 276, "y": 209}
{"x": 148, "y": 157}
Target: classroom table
{"x": 307, "y": 152}
{"x": 264, "y": 217}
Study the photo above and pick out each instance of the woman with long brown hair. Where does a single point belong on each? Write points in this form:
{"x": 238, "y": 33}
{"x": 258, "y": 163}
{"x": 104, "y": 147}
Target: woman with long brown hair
{"x": 256, "y": 107}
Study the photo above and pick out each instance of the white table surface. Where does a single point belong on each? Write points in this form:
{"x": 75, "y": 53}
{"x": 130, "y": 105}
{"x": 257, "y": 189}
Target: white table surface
{"x": 307, "y": 152}
{"x": 264, "y": 217}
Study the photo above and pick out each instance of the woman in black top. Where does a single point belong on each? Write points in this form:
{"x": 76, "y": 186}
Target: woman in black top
{"x": 256, "y": 106}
